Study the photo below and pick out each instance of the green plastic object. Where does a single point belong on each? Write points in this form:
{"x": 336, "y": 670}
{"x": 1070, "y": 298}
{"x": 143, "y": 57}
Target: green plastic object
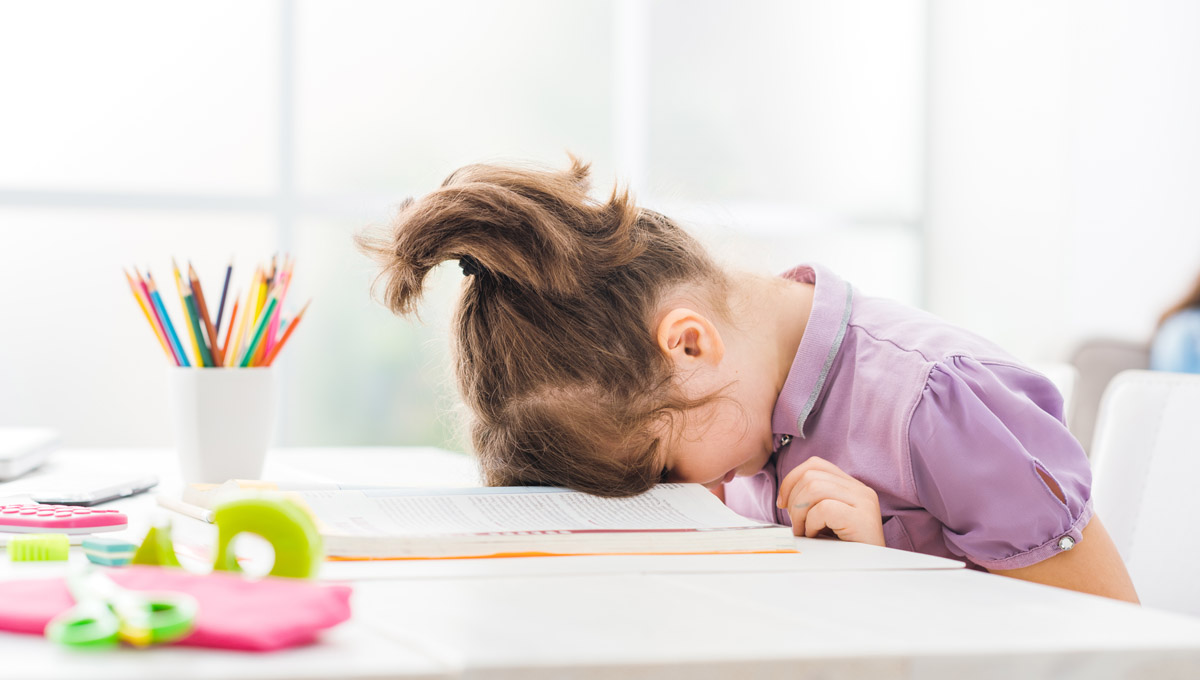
{"x": 284, "y": 524}
{"x": 157, "y": 549}
{"x": 104, "y": 614}
{"x": 38, "y": 547}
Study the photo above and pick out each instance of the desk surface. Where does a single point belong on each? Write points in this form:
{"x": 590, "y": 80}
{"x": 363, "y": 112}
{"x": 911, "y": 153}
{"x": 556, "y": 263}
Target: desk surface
{"x": 851, "y": 611}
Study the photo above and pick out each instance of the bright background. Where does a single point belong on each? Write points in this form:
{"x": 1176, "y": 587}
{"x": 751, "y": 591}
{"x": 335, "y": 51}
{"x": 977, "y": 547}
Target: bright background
{"x": 1026, "y": 169}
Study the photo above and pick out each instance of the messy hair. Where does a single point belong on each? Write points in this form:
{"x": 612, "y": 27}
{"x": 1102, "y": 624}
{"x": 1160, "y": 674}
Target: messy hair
{"x": 554, "y": 351}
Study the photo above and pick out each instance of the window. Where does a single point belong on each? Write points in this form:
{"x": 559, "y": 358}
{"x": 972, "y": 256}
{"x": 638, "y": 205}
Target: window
{"x": 779, "y": 131}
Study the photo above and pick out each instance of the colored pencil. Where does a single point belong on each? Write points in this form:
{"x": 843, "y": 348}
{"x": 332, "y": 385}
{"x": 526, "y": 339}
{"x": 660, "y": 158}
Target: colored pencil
{"x": 229, "y": 329}
{"x": 287, "y": 333}
{"x": 239, "y": 338}
{"x": 261, "y": 348}
{"x": 189, "y": 300}
{"x": 285, "y": 280}
{"x": 259, "y": 331}
{"x": 166, "y": 319}
{"x": 221, "y": 305}
{"x": 260, "y": 296}
{"x": 162, "y": 327}
{"x": 198, "y": 292}
{"x": 255, "y": 329}
{"x": 158, "y": 334}
{"x": 197, "y": 340}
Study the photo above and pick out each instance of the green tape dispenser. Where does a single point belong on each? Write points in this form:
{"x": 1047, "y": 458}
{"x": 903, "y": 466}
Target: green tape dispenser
{"x": 283, "y": 523}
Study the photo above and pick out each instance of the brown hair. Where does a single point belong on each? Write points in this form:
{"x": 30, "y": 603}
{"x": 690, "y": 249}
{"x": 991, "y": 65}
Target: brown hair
{"x": 553, "y": 346}
{"x": 1192, "y": 299}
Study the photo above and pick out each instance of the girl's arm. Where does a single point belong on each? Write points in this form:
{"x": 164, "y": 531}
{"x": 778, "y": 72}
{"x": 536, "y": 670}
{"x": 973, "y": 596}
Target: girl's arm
{"x": 1092, "y": 566}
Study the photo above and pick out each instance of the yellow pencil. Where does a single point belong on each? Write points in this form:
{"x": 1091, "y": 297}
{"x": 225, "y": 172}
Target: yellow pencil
{"x": 137, "y": 294}
{"x": 187, "y": 318}
{"x": 262, "y": 296}
{"x": 247, "y": 313}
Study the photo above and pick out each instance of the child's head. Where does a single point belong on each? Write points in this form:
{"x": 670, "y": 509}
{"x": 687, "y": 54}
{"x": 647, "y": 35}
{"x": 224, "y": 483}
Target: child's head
{"x": 555, "y": 331}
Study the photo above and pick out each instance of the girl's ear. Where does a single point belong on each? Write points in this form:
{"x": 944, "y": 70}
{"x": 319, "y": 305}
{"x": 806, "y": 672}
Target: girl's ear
{"x": 689, "y": 339}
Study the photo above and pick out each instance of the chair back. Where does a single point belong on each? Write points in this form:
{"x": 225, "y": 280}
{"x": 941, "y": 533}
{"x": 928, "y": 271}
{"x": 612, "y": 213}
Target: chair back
{"x": 1097, "y": 360}
{"x": 1146, "y": 464}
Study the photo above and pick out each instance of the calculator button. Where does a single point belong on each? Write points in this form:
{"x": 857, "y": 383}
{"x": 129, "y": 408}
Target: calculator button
{"x": 45, "y": 513}
{"x": 9, "y": 511}
{"x": 30, "y": 511}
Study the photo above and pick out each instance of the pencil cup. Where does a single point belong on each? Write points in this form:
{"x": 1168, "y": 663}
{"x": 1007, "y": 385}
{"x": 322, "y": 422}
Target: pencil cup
{"x": 223, "y": 420}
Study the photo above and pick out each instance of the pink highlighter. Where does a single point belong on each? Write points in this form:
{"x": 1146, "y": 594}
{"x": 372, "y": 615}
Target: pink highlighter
{"x": 37, "y": 518}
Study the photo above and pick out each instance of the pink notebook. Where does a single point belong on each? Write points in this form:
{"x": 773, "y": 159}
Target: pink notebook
{"x": 235, "y": 612}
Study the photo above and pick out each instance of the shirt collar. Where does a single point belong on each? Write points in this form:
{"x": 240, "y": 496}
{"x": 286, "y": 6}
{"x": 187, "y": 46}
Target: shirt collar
{"x": 819, "y": 346}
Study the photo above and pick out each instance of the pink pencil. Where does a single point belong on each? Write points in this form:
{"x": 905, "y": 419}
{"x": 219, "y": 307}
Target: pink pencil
{"x": 157, "y": 319}
{"x": 285, "y": 280}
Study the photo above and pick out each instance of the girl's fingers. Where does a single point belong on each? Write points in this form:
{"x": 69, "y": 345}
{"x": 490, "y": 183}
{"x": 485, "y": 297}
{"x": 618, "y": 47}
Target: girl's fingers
{"x": 828, "y": 513}
{"x": 813, "y": 464}
{"x": 848, "y": 522}
{"x": 819, "y": 486}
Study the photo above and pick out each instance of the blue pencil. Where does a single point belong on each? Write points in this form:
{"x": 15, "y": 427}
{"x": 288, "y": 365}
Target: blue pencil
{"x": 162, "y": 311}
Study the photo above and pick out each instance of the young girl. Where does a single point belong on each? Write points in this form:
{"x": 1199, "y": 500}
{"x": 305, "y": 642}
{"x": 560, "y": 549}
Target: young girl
{"x": 1176, "y": 343}
{"x": 599, "y": 347}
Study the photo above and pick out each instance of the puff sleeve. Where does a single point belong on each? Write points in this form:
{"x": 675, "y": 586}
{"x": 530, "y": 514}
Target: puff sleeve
{"x": 987, "y": 443}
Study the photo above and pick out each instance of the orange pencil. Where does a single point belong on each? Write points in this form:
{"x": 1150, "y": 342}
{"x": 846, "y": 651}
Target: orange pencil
{"x": 287, "y": 333}
{"x": 213, "y": 340}
{"x": 232, "y": 316}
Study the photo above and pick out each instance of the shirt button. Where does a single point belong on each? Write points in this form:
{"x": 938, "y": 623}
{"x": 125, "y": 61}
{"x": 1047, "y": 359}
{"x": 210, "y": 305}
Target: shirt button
{"x": 784, "y": 440}
{"x": 1066, "y": 543}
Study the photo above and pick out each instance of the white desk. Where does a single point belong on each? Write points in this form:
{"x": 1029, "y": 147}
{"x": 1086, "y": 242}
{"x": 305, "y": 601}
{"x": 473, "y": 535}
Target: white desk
{"x": 846, "y": 611}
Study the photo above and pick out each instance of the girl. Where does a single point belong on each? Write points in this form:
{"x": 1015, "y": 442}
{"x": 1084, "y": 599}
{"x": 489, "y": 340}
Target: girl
{"x": 599, "y": 347}
{"x": 1176, "y": 343}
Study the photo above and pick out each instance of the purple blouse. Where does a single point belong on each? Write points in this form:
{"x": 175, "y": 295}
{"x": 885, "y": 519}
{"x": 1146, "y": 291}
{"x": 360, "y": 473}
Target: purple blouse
{"x": 949, "y": 430}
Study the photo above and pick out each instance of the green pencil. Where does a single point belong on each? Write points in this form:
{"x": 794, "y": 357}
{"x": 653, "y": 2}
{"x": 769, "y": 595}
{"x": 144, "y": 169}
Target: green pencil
{"x": 194, "y": 313}
{"x": 259, "y": 332}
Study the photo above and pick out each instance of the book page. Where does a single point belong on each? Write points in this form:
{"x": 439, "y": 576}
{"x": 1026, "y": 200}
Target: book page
{"x": 677, "y": 507}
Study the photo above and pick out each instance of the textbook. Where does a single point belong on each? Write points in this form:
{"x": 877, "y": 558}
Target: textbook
{"x": 419, "y": 523}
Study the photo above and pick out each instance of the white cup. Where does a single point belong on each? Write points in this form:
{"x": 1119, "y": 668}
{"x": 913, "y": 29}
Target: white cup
{"x": 224, "y": 419}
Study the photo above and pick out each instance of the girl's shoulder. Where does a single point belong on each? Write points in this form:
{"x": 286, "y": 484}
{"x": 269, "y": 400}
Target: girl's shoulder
{"x": 915, "y": 331}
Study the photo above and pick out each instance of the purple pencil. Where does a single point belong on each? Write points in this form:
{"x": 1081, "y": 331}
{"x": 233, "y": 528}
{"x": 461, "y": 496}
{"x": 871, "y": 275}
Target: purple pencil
{"x": 224, "y": 291}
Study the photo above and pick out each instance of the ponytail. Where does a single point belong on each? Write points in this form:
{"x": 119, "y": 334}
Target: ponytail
{"x": 554, "y": 352}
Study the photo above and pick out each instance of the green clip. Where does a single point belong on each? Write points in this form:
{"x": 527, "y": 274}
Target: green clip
{"x": 157, "y": 549}
{"x": 279, "y": 521}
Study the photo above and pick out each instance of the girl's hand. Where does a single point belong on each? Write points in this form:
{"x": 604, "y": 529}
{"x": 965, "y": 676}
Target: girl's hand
{"x": 818, "y": 495}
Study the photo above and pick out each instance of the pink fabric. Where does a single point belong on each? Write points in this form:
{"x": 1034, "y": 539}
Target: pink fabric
{"x": 235, "y": 612}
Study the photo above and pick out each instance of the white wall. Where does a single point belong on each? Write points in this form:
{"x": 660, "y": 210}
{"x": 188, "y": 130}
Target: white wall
{"x": 1064, "y": 163}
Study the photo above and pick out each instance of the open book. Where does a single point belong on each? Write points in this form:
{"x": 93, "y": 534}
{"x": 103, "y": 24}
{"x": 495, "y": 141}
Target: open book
{"x": 414, "y": 523}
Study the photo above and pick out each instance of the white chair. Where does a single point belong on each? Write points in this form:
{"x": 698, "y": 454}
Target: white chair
{"x": 1146, "y": 464}
{"x": 1097, "y": 360}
